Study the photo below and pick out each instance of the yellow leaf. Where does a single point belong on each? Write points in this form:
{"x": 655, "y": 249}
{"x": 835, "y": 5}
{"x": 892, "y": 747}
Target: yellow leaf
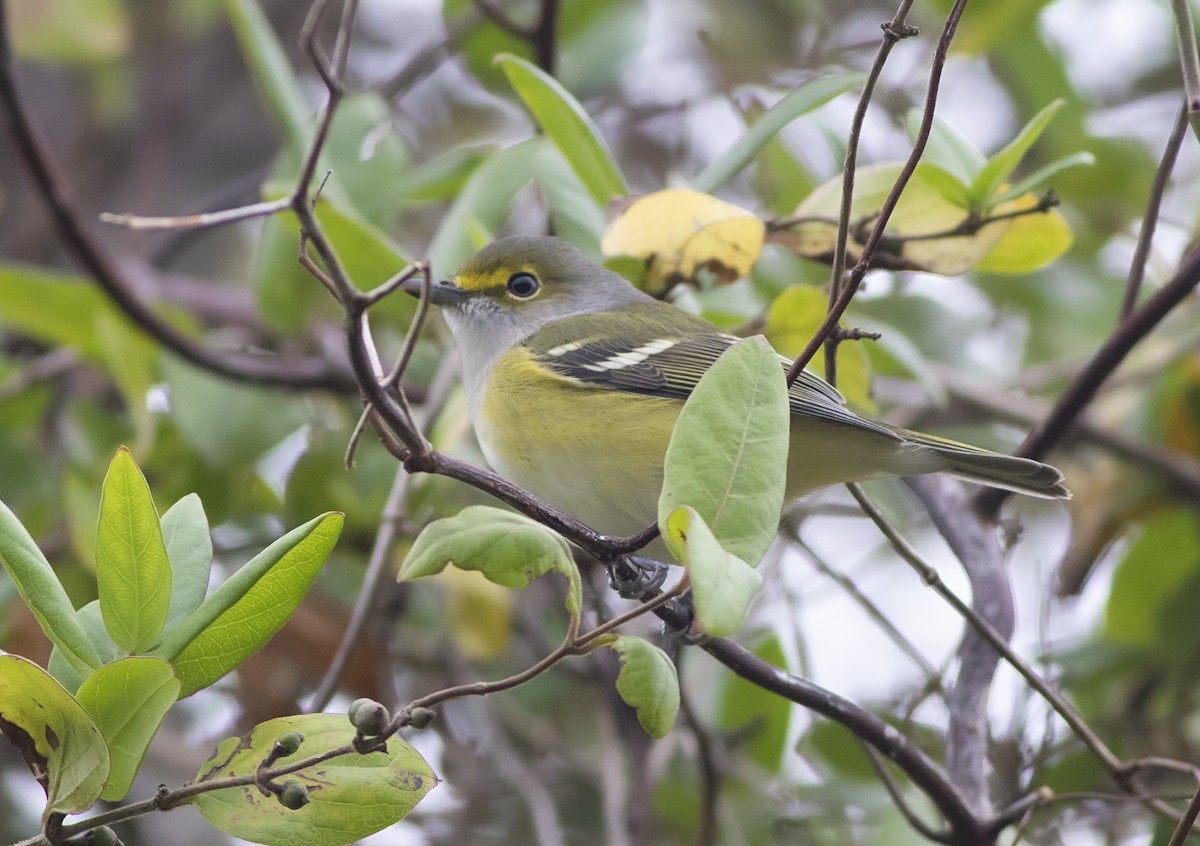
{"x": 794, "y": 318}
{"x": 1028, "y": 242}
{"x": 1014, "y": 245}
{"x": 479, "y": 613}
{"x": 684, "y": 235}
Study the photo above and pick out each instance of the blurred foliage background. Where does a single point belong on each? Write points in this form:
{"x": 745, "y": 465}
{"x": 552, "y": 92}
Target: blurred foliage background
{"x": 170, "y": 108}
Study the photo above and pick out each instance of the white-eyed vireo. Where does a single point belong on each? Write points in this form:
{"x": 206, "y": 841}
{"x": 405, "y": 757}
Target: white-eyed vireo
{"x": 574, "y": 379}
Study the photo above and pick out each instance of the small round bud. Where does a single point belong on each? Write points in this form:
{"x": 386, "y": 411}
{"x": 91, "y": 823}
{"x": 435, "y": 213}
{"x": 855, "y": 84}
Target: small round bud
{"x": 287, "y": 743}
{"x": 419, "y": 718}
{"x": 294, "y": 796}
{"x": 368, "y": 716}
{"x": 103, "y": 836}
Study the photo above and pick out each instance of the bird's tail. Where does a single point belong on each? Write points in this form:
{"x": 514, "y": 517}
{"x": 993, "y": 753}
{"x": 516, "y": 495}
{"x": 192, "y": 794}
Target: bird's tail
{"x": 1023, "y": 475}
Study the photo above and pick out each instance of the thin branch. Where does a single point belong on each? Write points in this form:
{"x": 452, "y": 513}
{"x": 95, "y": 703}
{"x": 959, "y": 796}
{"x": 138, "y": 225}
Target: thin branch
{"x": 292, "y": 374}
{"x": 197, "y": 221}
{"x": 894, "y": 30}
{"x": 1184, "y": 827}
{"x": 1124, "y": 773}
{"x": 38, "y": 370}
{"x": 394, "y": 513}
{"x": 544, "y": 36}
{"x": 501, "y": 18}
{"x": 906, "y": 810}
{"x": 1088, "y": 381}
{"x": 709, "y": 774}
{"x": 969, "y": 225}
{"x": 870, "y": 609}
{"x": 855, "y": 277}
{"x": 1189, "y": 60}
{"x": 1181, "y": 470}
{"x": 965, "y": 827}
{"x": 1141, "y": 253}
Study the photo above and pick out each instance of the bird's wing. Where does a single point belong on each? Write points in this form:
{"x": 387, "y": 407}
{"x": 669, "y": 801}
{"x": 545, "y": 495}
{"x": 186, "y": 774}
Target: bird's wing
{"x": 653, "y": 365}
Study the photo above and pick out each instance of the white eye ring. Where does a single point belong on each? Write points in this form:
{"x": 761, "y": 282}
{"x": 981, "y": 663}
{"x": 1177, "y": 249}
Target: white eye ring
{"x": 523, "y": 285}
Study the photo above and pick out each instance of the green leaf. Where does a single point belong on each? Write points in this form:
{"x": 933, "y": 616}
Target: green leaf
{"x": 722, "y": 584}
{"x": 43, "y": 593}
{"x": 1155, "y": 568}
{"x": 24, "y": 292}
{"x": 576, "y": 215}
{"x": 132, "y": 569}
{"x": 794, "y": 317}
{"x": 948, "y": 186}
{"x": 189, "y": 549}
{"x": 54, "y": 734}
{"x": 128, "y": 700}
{"x": 229, "y": 425}
{"x": 1043, "y": 174}
{"x": 440, "y": 178}
{"x": 727, "y": 457}
{"x": 509, "y": 549}
{"x": 1029, "y": 242}
{"x": 566, "y": 124}
{"x": 369, "y": 256}
{"x": 485, "y": 200}
{"x": 352, "y": 796}
{"x": 278, "y": 86}
{"x": 240, "y": 616}
{"x": 947, "y": 149}
{"x": 1000, "y": 167}
{"x": 92, "y": 620}
{"x": 131, "y": 358}
{"x": 759, "y": 716}
{"x": 648, "y": 682}
{"x": 809, "y": 96}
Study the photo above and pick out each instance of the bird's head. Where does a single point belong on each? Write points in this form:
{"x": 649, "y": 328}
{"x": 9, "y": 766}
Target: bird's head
{"x": 516, "y": 285}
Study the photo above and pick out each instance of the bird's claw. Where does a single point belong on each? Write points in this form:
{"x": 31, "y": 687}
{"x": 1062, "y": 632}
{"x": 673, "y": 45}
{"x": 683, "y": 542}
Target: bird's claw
{"x": 633, "y": 576}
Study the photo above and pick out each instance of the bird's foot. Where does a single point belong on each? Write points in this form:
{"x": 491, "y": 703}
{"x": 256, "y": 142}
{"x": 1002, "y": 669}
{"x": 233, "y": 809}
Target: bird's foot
{"x": 634, "y": 576}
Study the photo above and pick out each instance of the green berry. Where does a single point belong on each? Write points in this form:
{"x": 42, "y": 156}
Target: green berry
{"x": 294, "y": 796}
{"x": 287, "y": 743}
{"x": 103, "y": 836}
{"x": 368, "y": 716}
{"x": 419, "y": 718}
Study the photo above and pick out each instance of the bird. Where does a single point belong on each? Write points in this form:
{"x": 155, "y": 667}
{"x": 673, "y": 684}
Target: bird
{"x": 574, "y": 379}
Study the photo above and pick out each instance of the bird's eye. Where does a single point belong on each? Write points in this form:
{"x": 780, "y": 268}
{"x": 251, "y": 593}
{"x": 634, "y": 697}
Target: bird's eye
{"x": 523, "y": 285}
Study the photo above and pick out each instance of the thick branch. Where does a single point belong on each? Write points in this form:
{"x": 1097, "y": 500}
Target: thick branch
{"x": 974, "y": 544}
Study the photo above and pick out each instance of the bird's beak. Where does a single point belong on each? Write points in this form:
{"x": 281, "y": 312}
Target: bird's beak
{"x": 441, "y": 293}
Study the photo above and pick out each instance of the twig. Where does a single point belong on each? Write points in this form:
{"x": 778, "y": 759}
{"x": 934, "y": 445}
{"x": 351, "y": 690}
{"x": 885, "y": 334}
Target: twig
{"x": 37, "y": 370}
{"x": 969, "y": 225}
{"x": 501, "y": 19}
{"x": 893, "y": 789}
{"x": 1181, "y": 470}
{"x": 709, "y": 774}
{"x": 197, "y": 221}
{"x": 870, "y": 609}
{"x": 972, "y": 223}
{"x": 1184, "y": 827}
{"x": 855, "y": 277}
{"x": 894, "y": 30}
{"x": 293, "y": 374}
{"x": 394, "y": 513}
{"x": 1141, "y": 253}
{"x": 545, "y": 36}
{"x": 965, "y": 827}
{"x": 1189, "y": 60}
